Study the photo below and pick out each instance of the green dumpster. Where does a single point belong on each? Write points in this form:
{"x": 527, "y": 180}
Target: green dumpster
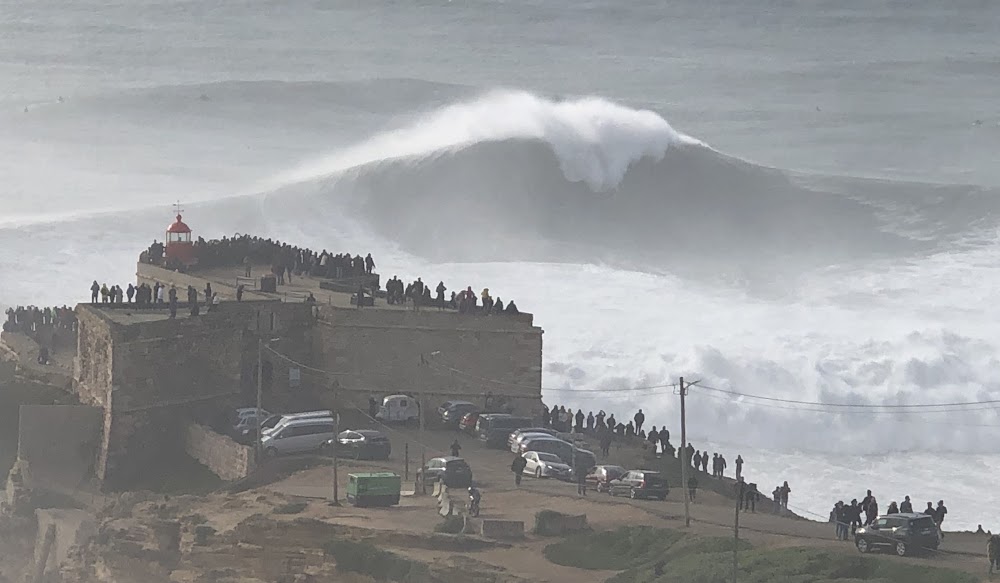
{"x": 374, "y": 489}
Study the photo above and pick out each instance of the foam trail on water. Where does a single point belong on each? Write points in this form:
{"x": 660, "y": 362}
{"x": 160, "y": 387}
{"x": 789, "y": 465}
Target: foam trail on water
{"x": 594, "y": 139}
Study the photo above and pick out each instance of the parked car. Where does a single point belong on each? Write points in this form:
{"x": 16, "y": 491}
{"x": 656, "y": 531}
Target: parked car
{"x": 272, "y": 422}
{"x": 548, "y": 444}
{"x": 514, "y": 435}
{"x": 361, "y": 444}
{"x": 398, "y": 408}
{"x": 905, "y": 533}
{"x": 523, "y": 435}
{"x": 451, "y": 412}
{"x": 244, "y": 427}
{"x": 298, "y": 436}
{"x": 453, "y": 471}
{"x": 640, "y": 484}
{"x": 468, "y": 422}
{"x": 545, "y": 465}
{"x": 599, "y": 477}
{"x": 494, "y": 429}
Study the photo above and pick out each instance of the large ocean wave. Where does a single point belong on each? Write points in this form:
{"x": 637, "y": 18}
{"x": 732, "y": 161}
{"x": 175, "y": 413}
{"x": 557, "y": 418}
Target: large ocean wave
{"x": 513, "y": 175}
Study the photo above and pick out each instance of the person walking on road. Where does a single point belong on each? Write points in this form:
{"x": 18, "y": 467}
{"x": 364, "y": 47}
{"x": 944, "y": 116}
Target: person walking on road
{"x": 517, "y": 466}
{"x": 455, "y": 448}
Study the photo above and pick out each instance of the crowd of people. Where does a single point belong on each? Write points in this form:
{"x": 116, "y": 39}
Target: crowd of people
{"x": 848, "y": 517}
{"x": 608, "y": 429}
{"x": 285, "y": 260}
{"x": 157, "y": 295}
{"x": 418, "y": 294}
{"x": 29, "y": 319}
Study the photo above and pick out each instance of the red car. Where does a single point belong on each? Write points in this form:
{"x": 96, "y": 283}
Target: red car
{"x": 599, "y": 476}
{"x": 468, "y": 422}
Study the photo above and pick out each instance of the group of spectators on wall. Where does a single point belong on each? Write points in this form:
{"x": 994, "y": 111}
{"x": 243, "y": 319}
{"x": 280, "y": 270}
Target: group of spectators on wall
{"x": 418, "y": 295}
{"x": 284, "y": 260}
{"x": 30, "y": 319}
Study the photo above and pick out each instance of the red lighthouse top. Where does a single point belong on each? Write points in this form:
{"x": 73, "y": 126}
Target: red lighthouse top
{"x": 179, "y": 249}
{"x": 179, "y": 226}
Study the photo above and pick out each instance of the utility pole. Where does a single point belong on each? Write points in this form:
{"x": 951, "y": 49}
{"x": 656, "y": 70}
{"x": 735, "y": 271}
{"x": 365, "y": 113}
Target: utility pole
{"x": 684, "y": 459}
{"x": 260, "y": 397}
{"x": 740, "y": 487}
{"x": 336, "y": 462}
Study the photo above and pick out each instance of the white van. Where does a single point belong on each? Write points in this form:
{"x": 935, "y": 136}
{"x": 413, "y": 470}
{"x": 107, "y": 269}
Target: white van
{"x": 294, "y": 416}
{"x": 298, "y": 436}
{"x": 398, "y": 408}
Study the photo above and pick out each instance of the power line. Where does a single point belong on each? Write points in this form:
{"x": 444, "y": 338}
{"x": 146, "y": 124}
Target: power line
{"x": 858, "y": 412}
{"x": 852, "y": 405}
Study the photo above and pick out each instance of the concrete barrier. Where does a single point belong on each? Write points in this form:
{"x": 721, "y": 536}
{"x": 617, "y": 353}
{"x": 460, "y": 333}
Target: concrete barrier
{"x": 503, "y": 529}
{"x": 550, "y": 523}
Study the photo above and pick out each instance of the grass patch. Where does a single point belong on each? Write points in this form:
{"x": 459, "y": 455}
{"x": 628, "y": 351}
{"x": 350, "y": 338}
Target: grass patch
{"x": 450, "y": 525}
{"x": 635, "y": 551}
{"x": 365, "y": 558}
{"x": 290, "y": 508}
{"x": 612, "y": 550}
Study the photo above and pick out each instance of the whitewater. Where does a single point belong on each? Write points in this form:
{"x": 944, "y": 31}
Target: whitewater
{"x": 820, "y": 227}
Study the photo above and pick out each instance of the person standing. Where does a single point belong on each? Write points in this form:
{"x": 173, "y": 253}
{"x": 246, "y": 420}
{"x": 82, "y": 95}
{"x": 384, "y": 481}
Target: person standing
{"x": 581, "y": 479}
{"x": 906, "y": 505}
{"x": 517, "y": 466}
{"x": 455, "y": 448}
{"x": 739, "y": 467}
{"x": 639, "y": 420}
{"x": 692, "y": 487}
{"x": 939, "y": 514}
{"x": 785, "y": 491}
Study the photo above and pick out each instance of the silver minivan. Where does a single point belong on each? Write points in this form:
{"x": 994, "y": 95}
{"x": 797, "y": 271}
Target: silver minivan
{"x": 287, "y": 417}
{"x": 298, "y": 436}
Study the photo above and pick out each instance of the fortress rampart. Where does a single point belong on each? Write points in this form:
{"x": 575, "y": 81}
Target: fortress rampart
{"x": 152, "y": 375}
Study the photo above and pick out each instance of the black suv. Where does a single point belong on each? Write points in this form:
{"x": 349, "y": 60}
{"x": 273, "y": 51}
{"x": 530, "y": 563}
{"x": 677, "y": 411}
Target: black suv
{"x": 453, "y": 471}
{"x": 904, "y": 533}
{"x": 640, "y": 484}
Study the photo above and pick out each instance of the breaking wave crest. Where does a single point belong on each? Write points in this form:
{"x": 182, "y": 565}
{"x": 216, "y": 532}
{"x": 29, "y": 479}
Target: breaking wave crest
{"x": 516, "y": 175}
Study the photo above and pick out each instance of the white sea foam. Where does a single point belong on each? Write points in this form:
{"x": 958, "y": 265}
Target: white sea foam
{"x": 595, "y": 140}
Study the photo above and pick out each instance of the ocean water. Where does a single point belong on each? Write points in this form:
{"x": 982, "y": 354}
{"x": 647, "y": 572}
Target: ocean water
{"x": 791, "y": 201}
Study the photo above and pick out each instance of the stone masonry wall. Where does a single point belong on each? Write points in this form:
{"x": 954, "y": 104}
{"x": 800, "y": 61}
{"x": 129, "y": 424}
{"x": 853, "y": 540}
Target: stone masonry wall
{"x": 226, "y": 458}
{"x": 392, "y": 351}
{"x": 149, "y": 376}
{"x": 93, "y": 362}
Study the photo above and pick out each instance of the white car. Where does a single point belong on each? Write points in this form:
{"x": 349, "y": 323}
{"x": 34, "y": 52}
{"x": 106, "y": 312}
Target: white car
{"x": 545, "y": 465}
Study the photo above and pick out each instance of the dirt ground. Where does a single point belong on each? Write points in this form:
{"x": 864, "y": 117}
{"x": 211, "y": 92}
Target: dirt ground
{"x": 711, "y": 514}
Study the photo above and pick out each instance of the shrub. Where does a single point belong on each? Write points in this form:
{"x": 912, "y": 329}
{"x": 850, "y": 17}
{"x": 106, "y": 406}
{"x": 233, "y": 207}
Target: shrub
{"x": 290, "y": 508}
{"x": 365, "y": 558}
{"x": 450, "y": 525}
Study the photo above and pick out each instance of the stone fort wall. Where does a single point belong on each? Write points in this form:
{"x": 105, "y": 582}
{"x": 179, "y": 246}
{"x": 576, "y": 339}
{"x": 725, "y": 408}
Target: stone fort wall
{"x": 148, "y": 376}
{"x": 434, "y": 355}
{"x": 151, "y": 375}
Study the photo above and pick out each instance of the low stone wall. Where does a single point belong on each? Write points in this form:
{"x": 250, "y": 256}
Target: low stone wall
{"x": 503, "y": 529}
{"x": 219, "y": 453}
{"x": 551, "y": 523}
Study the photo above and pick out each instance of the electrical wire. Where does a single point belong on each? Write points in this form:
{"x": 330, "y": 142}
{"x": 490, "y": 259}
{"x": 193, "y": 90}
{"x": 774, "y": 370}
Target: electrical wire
{"x": 850, "y": 405}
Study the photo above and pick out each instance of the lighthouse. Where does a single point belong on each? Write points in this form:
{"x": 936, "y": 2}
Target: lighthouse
{"x": 179, "y": 249}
